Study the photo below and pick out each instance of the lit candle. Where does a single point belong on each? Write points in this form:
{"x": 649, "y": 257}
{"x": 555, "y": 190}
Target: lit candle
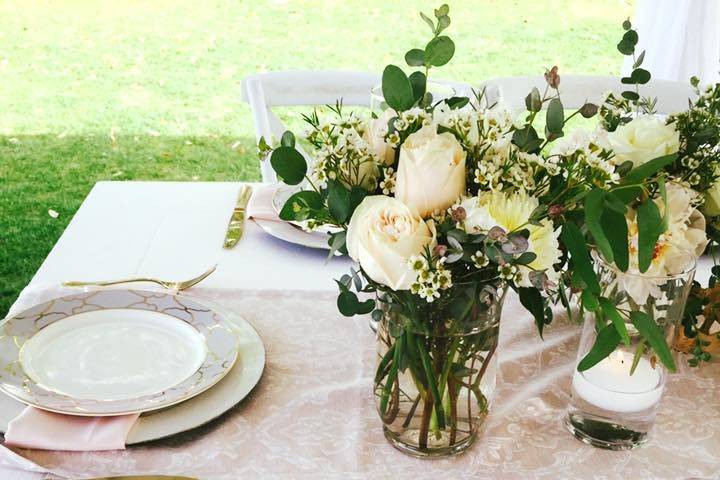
{"x": 610, "y": 386}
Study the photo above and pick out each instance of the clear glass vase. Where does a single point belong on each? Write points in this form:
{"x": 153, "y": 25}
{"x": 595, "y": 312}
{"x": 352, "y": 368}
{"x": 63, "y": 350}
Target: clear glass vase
{"x": 434, "y": 384}
{"x": 614, "y": 403}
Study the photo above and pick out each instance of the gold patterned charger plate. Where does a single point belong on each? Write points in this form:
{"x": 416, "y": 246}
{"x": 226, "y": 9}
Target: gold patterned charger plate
{"x": 113, "y": 352}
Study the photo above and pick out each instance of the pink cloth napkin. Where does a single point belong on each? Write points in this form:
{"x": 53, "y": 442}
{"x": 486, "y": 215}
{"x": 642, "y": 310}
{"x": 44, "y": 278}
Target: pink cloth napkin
{"x": 43, "y": 430}
{"x": 260, "y": 205}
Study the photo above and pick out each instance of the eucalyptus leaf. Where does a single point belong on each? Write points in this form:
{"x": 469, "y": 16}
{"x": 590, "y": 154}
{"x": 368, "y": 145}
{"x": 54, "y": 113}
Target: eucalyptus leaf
{"x": 301, "y": 206}
{"x": 397, "y": 90}
{"x": 427, "y": 20}
{"x": 588, "y": 110}
{"x": 639, "y": 60}
{"x": 415, "y": 57}
{"x": 439, "y": 51}
{"x": 630, "y": 95}
{"x": 339, "y": 201}
{"x": 533, "y": 102}
{"x": 289, "y": 165}
{"x": 443, "y": 23}
{"x": 457, "y": 102}
{"x": 418, "y": 81}
{"x": 631, "y": 37}
{"x": 626, "y": 48}
{"x": 640, "y": 76}
{"x": 526, "y": 258}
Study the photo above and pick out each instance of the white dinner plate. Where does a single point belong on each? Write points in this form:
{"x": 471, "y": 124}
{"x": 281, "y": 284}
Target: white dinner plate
{"x": 112, "y": 352}
{"x": 197, "y": 411}
{"x": 292, "y": 233}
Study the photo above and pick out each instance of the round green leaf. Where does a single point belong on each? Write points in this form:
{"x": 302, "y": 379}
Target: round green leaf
{"x": 418, "y": 81}
{"x": 640, "y": 75}
{"x": 301, "y": 206}
{"x": 396, "y": 89}
{"x": 630, "y": 95}
{"x": 289, "y": 165}
{"x": 588, "y": 110}
{"x": 339, "y": 201}
{"x": 630, "y": 37}
{"x": 626, "y": 48}
{"x": 415, "y": 57}
{"x": 439, "y": 51}
{"x": 533, "y": 101}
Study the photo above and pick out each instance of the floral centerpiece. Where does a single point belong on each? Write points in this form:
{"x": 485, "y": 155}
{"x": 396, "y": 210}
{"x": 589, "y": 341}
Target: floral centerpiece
{"x": 447, "y": 204}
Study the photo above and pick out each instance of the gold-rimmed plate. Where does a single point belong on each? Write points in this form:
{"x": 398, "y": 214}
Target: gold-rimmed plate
{"x": 112, "y": 352}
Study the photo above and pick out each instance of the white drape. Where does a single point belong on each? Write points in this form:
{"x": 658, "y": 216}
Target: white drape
{"x": 681, "y": 39}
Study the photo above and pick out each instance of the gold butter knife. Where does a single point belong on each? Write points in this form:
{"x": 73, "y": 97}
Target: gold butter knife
{"x": 237, "y": 219}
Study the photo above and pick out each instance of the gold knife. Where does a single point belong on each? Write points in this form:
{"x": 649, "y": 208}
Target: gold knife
{"x": 237, "y": 219}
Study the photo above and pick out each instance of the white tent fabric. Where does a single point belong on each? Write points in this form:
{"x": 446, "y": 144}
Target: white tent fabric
{"x": 681, "y": 39}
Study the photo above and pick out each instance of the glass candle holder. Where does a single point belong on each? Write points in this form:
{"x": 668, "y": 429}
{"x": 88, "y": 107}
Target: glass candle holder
{"x": 614, "y": 403}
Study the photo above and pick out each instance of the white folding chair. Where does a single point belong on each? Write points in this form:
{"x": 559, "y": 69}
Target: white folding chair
{"x": 264, "y": 91}
{"x": 575, "y": 90}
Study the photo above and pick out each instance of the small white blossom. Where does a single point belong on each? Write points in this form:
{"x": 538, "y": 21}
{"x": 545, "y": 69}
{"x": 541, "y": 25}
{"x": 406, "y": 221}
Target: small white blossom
{"x": 480, "y": 259}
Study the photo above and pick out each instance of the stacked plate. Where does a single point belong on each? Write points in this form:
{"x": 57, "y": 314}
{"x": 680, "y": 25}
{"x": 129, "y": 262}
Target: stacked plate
{"x": 178, "y": 362}
{"x": 293, "y": 232}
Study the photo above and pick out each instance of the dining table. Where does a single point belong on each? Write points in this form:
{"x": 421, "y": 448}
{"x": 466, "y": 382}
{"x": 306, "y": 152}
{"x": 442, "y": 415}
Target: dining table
{"x": 312, "y": 414}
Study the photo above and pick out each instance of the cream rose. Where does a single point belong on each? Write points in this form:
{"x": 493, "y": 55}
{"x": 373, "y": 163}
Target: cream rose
{"x": 431, "y": 172}
{"x": 375, "y": 137}
{"x": 646, "y": 137}
{"x": 383, "y": 234}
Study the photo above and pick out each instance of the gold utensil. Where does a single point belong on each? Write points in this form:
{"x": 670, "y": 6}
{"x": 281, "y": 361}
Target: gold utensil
{"x": 146, "y": 477}
{"x": 182, "y": 285}
{"x": 236, "y": 225}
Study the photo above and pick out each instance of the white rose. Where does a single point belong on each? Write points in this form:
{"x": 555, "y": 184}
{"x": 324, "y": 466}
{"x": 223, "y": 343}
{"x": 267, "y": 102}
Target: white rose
{"x": 431, "y": 172}
{"x": 646, "y": 137}
{"x": 375, "y": 137}
{"x": 711, "y": 207}
{"x": 383, "y": 234}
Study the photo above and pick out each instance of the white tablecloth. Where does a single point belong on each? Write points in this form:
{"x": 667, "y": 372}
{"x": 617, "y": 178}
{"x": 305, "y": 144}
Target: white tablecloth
{"x": 175, "y": 230}
{"x": 312, "y": 413}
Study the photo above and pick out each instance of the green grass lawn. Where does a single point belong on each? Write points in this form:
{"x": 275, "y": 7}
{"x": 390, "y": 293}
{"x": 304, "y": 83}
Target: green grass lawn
{"x": 132, "y": 90}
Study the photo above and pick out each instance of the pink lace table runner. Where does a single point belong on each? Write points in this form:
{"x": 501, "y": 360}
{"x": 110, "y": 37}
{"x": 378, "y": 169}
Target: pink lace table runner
{"x": 313, "y": 415}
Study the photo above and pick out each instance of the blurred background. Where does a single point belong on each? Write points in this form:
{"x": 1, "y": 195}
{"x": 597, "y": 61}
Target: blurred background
{"x": 150, "y": 90}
